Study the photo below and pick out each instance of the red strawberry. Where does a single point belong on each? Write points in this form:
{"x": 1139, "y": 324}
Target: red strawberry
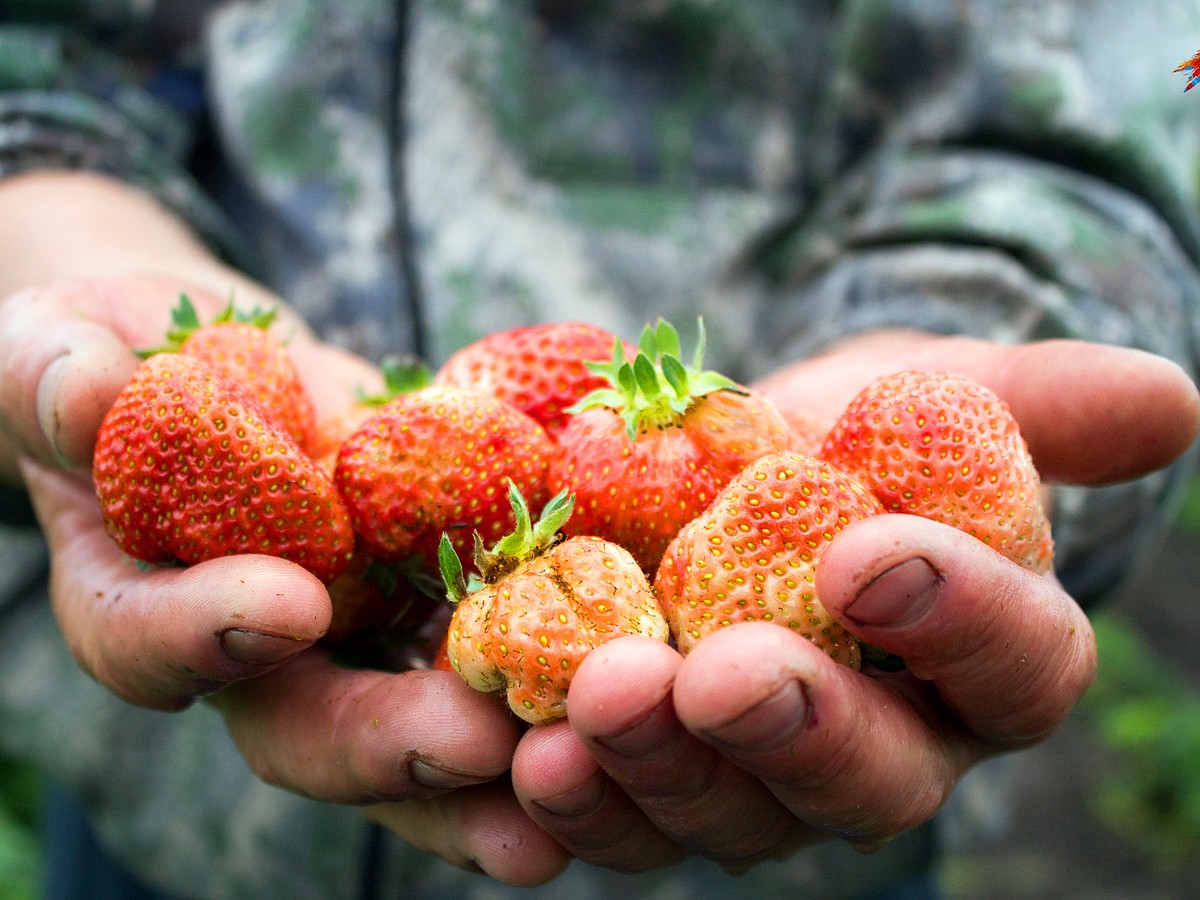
{"x": 648, "y": 454}
{"x": 808, "y": 431}
{"x": 400, "y": 376}
{"x": 373, "y": 600}
{"x": 240, "y": 346}
{"x": 947, "y": 448}
{"x": 429, "y": 462}
{"x": 753, "y": 554}
{"x": 541, "y": 607}
{"x": 188, "y": 467}
{"x": 539, "y": 369}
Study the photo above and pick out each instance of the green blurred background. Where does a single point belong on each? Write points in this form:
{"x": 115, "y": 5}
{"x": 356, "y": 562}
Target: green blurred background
{"x": 1108, "y": 807}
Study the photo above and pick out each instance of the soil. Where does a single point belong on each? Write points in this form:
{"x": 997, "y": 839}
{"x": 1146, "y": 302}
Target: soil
{"x": 1058, "y": 848}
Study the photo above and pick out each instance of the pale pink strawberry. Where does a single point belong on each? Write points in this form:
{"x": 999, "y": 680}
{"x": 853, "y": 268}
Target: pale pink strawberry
{"x": 753, "y": 554}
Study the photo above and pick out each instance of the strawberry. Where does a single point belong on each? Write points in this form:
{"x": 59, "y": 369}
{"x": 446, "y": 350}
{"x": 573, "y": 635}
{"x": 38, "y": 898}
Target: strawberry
{"x": 539, "y": 369}
{"x": 372, "y": 599}
{"x": 539, "y": 607}
{"x": 241, "y": 347}
{"x": 944, "y": 447}
{"x": 753, "y": 554}
{"x": 187, "y": 466}
{"x": 807, "y": 431}
{"x": 648, "y": 454}
{"x": 401, "y": 375}
{"x": 428, "y": 462}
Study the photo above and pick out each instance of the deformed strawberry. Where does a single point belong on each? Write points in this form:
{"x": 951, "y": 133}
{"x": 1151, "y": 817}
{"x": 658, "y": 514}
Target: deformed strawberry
{"x": 539, "y": 606}
{"x": 753, "y": 554}
{"x": 945, "y": 447}
{"x": 187, "y": 466}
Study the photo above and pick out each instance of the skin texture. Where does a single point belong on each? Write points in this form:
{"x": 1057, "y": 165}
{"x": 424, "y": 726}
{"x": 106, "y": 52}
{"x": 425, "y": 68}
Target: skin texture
{"x": 771, "y": 729}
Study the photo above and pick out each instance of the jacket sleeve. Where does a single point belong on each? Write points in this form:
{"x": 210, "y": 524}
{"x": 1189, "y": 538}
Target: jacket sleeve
{"x": 168, "y": 793}
{"x": 69, "y": 99}
{"x": 1016, "y": 171}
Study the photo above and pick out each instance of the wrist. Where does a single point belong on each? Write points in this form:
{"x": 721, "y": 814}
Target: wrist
{"x": 61, "y": 225}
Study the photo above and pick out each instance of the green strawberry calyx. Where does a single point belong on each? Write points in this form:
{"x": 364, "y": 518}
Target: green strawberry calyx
{"x": 401, "y": 375}
{"x": 657, "y": 389}
{"x": 528, "y": 540}
{"x": 185, "y": 320}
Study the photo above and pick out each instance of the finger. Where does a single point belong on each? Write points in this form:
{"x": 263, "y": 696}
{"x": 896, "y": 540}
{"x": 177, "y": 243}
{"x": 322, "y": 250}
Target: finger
{"x": 1009, "y": 651}
{"x": 358, "y": 736}
{"x": 1096, "y": 414}
{"x": 58, "y": 381}
{"x": 1091, "y": 413}
{"x": 334, "y": 378}
{"x": 161, "y": 637}
{"x": 565, "y": 791}
{"x": 66, "y": 353}
{"x": 844, "y": 753}
{"x": 480, "y": 829}
{"x": 622, "y": 709}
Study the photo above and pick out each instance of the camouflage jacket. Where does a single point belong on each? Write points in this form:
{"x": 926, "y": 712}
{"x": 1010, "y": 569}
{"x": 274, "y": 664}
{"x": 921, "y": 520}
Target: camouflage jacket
{"x": 414, "y": 174}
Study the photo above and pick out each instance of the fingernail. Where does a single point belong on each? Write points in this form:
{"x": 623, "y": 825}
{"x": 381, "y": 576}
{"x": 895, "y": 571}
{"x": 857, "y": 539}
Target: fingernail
{"x": 769, "y": 725}
{"x": 582, "y": 801}
{"x": 47, "y": 401}
{"x": 897, "y": 597}
{"x": 254, "y": 648}
{"x": 654, "y": 734}
{"x": 428, "y": 775}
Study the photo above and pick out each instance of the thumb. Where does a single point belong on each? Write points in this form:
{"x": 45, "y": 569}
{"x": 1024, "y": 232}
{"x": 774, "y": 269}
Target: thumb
{"x": 164, "y": 636}
{"x": 59, "y": 379}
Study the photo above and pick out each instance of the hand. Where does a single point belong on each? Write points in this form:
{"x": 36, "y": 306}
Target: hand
{"x": 242, "y": 631}
{"x": 757, "y": 744}
{"x": 66, "y": 355}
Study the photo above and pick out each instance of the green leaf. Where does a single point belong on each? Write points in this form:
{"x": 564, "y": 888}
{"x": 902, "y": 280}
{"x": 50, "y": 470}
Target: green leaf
{"x": 648, "y": 343}
{"x": 627, "y": 381}
{"x": 554, "y": 516}
{"x": 184, "y": 316}
{"x": 646, "y": 377}
{"x": 452, "y": 570}
{"x": 185, "y": 321}
{"x": 518, "y": 541}
{"x": 667, "y": 339}
{"x": 701, "y": 345}
{"x": 676, "y": 375}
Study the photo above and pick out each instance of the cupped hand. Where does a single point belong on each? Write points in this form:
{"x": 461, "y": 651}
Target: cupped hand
{"x": 420, "y": 750}
{"x": 757, "y": 744}
{"x": 158, "y": 637}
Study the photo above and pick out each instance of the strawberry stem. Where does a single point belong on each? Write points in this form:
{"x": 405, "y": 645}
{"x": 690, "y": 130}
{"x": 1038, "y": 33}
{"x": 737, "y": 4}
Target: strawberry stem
{"x": 528, "y": 540}
{"x": 185, "y": 320}
{"x": 401, "y": 375}
{"x": 657, "y": 388}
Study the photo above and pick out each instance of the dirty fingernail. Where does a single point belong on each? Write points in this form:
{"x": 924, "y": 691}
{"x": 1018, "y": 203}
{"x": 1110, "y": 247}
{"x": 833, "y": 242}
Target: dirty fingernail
{"x": 47, "y": 401}
{"x": 254, "y": 648}
{"x": 428, "y": 775}
{"x": 654, "y": 734}
{"x": 897, "y": 597}
{"x": 582, "y": 801}
{"x": 768, "y": 725}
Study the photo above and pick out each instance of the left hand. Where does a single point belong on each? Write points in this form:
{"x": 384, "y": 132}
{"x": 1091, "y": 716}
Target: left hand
{"x": 757, "y": 743}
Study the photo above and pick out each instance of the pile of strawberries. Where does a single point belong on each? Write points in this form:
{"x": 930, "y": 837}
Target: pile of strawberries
{"x": 674, "y": 501}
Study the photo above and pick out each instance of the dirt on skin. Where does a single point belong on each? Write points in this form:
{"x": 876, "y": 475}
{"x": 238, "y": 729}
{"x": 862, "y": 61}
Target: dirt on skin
{"x": 1057, "y": 847}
